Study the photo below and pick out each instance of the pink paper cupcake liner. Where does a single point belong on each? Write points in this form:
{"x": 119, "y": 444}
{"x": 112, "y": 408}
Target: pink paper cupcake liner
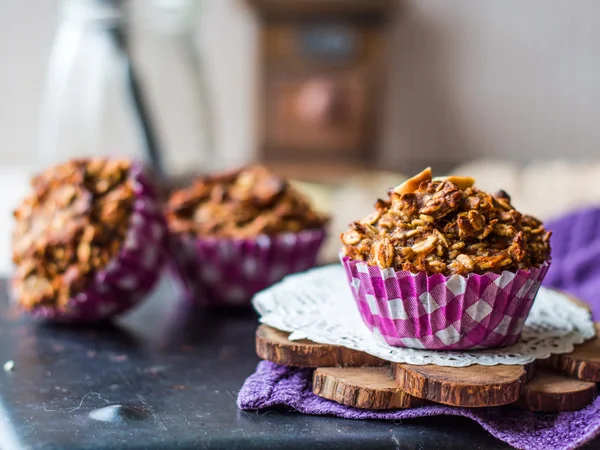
{"x": 228, "y": 272}
{"x": 131, "y": 274}
{"x": 440, "y": 312}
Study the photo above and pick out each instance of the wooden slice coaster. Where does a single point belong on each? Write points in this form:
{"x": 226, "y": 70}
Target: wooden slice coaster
{"x": 472, "y": 386}
{"x": 553, "y": 392}
{"x": 412, "y": 385}
{"x": 583, "y": 362}
{"x": 362, "y": 387}
{"x": 274, "y": 345}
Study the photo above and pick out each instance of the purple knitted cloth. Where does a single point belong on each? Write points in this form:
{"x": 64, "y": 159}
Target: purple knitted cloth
{"x": 273, "y": 384}
{"x": 576, "y": 256}
{"x": 576, "y": 249}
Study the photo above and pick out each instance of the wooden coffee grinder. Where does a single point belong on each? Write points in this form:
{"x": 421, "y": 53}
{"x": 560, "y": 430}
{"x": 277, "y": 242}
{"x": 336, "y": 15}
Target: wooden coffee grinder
{"x": 321, "y": 84}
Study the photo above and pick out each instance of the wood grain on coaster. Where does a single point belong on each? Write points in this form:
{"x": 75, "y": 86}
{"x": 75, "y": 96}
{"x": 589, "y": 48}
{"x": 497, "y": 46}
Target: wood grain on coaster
{"x": 472, "y": 386}
{"x": 362, "y": 387}
{"x": 583, "y": 362}
{"x": 274, "y": 345}
{"x": 553, "y": 392}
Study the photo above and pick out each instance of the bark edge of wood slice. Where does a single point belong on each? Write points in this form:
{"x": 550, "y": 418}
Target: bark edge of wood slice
{"x": 273, "y": 345}
{"x": 583, "y": 362}
{"x": 471, "y": 387}
{"x": 553, "y": 392}
{"x": 362, "y": 387}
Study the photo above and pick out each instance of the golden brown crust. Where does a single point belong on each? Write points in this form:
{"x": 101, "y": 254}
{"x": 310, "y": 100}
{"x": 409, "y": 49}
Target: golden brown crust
{"x": 70, "y": 227}
{"x": 240, "y": 204}
{"x": 444, "y": 228}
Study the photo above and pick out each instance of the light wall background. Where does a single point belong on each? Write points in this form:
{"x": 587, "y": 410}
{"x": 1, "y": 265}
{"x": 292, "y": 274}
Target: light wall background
{"x": 467, "y": 79}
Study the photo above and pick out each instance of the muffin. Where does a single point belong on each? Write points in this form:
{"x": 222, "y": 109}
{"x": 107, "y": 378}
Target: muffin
{"x": 88, "y": 242}
{"x": 236, "y": 233}
{"x": 443, "y": 265}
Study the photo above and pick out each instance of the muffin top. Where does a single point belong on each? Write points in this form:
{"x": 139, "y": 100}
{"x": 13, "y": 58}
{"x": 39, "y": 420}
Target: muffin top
{"x": 447, "y": 226}
{"x": 244, "y": 203}
{"x": 69, "y": 227}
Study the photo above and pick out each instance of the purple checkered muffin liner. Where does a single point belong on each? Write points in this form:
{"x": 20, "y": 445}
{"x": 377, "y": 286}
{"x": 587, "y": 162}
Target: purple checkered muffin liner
{"x": 440, "y": 312}
{"x": 221, "y": 272}
{"x": 131, "y": 274}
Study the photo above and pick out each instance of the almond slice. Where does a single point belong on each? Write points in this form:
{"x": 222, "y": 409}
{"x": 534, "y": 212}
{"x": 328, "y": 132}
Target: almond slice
{"x": 412, "y": 184}
{"x": 460, "y": 182}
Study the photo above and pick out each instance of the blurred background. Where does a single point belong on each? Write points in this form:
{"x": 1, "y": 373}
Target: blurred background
{"x": 346, "y": 97}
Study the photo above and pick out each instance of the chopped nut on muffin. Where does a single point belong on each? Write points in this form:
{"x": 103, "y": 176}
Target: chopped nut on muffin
{"x": 240, "y": 204}
{"x": 69, "y": 228}
{"x": 447, "y": 226}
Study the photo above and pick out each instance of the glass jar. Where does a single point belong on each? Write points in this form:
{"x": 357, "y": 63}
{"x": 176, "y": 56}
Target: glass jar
{"x": 124, "y": 79}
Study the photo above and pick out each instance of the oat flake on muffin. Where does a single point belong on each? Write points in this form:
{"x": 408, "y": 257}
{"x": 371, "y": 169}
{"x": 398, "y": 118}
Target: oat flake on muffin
{"x": 447, "y": 226}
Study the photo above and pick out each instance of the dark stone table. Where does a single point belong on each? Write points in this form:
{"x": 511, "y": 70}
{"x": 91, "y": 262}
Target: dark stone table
{"x": 165, "y": 377}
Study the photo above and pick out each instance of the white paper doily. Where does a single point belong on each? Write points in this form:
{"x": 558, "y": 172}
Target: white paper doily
{"x": 318, "y": 305}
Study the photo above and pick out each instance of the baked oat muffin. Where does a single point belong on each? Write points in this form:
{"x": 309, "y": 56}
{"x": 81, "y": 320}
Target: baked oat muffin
{"x": 241, "y": 204}
{"x": 73, "y": 225}
{"x": 447, "y": 226}
{"x": 444, "y": 266}
{"x": 236, "y": 233}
